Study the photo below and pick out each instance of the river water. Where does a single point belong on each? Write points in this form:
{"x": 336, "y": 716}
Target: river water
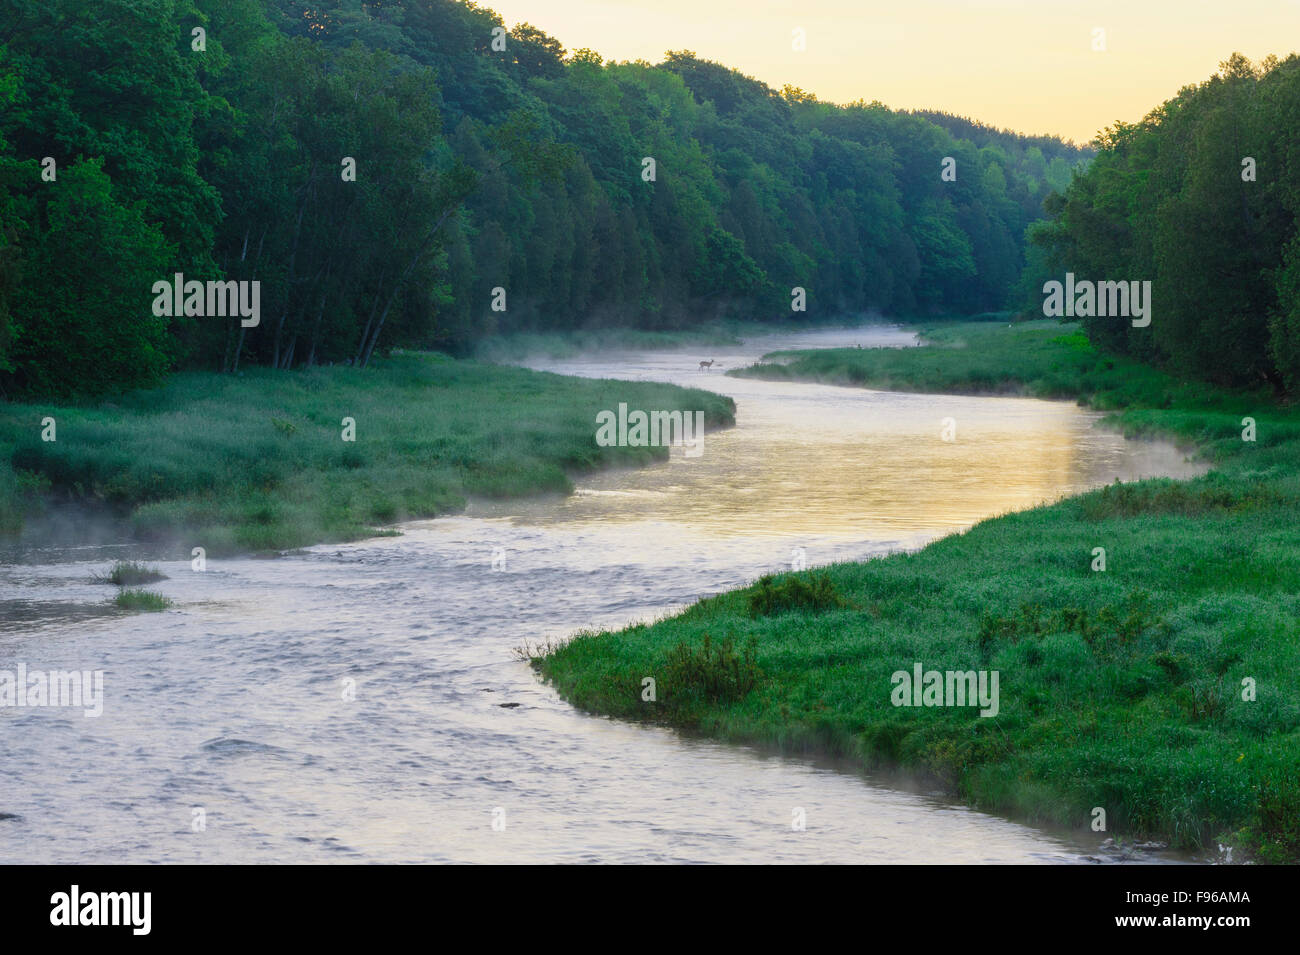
{"x": 361, "y": 703}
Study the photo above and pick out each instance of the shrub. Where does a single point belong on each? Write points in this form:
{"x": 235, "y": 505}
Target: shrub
{"x": 794, "y": 593}
{"x": 714, "y": 673}
{"x": 1279, "y": 816}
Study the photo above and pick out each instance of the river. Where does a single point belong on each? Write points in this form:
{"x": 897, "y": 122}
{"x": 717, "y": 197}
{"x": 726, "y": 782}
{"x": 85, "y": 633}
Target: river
{"x": 362, "y": 703}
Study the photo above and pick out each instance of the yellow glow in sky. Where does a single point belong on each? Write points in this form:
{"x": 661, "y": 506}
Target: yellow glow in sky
{"x": 1028, "y": 65}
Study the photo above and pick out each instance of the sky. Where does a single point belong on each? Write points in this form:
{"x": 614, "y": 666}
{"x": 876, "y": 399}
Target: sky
{"x": 1027, "y": 65}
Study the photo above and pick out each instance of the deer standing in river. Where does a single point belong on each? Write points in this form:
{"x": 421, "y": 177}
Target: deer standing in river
{"x": 707, "y": 364}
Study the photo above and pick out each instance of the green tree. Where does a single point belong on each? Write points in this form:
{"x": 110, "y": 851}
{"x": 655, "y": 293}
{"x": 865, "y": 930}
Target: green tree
{"x": 85, "y": 325}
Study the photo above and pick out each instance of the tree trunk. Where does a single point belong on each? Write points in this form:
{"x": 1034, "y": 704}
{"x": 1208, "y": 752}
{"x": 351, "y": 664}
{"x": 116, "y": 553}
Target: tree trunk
{"x": 365, "y": 335}
{"x": 293, "y": 255}
{"x": 239, "y": 349}
{"x": 410, "y": 266}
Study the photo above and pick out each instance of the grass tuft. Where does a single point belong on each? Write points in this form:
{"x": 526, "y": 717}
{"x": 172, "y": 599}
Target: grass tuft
{"x": 141, "y": 601}
{"x": 126, "y": 573}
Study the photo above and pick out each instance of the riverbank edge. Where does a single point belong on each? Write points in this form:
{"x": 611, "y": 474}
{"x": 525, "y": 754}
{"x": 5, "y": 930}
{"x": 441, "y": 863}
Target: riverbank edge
{"x": 518, "y": 347}
{"x": 97, "y": 492}
{"x": 572, "y": 672}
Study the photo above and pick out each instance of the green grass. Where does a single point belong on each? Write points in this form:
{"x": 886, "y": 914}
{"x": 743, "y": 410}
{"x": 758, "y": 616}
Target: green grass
{"x": 1121, "y": 689}
{"x": 517, "y": 346}
{"x": 558, "y": 345}
{"x": 1042, "y": 359}
{"x": 141, "y": 601}
{"x": 258, "y": 462}
{"x": 127, "y": 572}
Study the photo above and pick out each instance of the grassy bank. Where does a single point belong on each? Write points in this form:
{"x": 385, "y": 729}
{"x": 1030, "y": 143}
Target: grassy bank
{"x": 559, "y": 345}
{"x": 1120, "y": 688}
{"x": 566, "y": 344}
{"x": 260, "y": 461}
{"x": 1042, "y": 359}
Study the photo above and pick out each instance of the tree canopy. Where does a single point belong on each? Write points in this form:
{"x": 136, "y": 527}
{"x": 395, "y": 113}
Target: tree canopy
{"x": 1201, "y": 199}
{"x": 413, "y": 173}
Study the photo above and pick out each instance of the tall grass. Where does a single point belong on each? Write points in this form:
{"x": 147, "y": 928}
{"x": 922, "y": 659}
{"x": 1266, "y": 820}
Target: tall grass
{"x": 259, "y": 461}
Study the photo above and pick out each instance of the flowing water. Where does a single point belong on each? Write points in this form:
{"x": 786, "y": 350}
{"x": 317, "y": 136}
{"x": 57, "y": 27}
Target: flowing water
{"x": 361, "y": 703}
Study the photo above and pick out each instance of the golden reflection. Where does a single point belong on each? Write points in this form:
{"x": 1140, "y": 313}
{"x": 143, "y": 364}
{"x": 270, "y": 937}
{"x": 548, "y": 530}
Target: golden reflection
{"x": 808, "y": 459}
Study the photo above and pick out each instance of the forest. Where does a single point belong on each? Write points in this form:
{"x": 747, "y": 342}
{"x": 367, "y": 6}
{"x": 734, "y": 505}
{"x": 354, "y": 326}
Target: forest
{"x": 413, "y": 174}
{"x": 1200, "y": 198}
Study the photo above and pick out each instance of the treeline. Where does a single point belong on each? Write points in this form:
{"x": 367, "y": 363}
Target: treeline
{"x": 413, "y": 174}
{"x": 1200, "y": 198}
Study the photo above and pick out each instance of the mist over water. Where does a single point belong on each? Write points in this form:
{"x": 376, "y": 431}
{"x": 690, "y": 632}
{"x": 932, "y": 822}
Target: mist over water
{"x": 232, "y": 701}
